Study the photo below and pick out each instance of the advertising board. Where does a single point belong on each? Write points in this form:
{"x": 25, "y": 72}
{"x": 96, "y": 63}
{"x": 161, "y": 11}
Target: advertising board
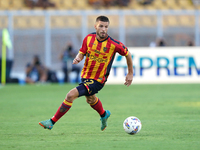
{"x": 159, "y": 65}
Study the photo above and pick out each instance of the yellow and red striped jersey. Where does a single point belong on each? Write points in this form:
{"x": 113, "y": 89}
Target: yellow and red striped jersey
{"x": 100, "y": 56}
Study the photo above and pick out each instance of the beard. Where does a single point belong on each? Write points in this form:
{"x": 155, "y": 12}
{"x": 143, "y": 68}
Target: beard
{"x": 101, "y": 36}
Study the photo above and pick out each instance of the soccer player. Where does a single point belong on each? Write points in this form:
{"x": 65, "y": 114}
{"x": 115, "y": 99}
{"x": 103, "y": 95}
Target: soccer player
{"x": 99, "y": 49}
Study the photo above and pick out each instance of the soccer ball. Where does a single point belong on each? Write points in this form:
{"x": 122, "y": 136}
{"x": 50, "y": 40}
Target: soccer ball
{"x": 132, "y": 125}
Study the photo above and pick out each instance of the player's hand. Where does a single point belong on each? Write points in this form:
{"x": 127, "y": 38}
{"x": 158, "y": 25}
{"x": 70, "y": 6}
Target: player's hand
{"x": 76, "y": 60}
{"x": 128, "y": 79}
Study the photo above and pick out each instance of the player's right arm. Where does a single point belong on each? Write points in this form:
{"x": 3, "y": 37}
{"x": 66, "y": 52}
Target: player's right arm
{"x": 78, "y": 58}
{"x": 82, "y": 52}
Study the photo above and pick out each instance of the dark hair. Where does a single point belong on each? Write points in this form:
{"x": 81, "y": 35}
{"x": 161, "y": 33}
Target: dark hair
{"x": 37, "y": 60}
{"x": 102, "y": 18}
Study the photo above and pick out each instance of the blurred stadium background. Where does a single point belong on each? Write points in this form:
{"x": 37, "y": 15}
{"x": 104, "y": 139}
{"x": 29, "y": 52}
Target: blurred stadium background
{"x": 45, "y": 29}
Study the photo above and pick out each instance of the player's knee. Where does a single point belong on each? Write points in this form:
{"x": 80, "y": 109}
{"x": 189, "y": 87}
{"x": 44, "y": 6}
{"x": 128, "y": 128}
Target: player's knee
{"x": 71, "y": 96}
{"x": 90, "y": 99}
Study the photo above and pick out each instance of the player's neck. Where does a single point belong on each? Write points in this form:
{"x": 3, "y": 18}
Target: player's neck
{"x": 100, "y": 39}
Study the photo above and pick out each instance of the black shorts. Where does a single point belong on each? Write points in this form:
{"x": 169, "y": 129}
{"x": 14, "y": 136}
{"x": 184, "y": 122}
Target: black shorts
{"x": 89, "y": 87}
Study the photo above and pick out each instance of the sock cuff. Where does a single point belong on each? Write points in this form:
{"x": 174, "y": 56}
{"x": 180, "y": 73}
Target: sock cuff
{"x": 67, "y": 102}
{"x": 54, "y": 119}
{"x": 95, "y": 102}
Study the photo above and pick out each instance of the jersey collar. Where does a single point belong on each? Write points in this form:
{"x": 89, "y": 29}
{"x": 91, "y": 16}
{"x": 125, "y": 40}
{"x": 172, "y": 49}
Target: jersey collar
{"x": 103, "y": 39}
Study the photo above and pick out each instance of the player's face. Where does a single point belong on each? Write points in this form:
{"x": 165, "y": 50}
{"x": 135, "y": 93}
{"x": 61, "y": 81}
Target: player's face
{"x": 101, "y": 29}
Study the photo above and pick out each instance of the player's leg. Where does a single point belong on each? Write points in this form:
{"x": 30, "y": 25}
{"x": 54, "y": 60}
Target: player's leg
{"x": 66, "y": 104}
{"x": 64, "y": 107}
{"x": 96, "y": 104}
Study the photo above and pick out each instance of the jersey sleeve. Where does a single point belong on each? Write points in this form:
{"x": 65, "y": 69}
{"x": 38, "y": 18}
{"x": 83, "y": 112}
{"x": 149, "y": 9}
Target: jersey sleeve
{"x": 83, "y": 49}
{"x": 122, "y": 49}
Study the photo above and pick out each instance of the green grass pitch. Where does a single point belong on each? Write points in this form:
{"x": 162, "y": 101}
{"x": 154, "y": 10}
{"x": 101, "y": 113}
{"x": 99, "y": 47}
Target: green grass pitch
{"x": 170, "y": 116}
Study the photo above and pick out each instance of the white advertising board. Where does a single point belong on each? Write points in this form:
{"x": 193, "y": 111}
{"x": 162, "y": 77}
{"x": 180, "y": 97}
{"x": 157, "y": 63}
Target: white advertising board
{"x": 159, "y": 65}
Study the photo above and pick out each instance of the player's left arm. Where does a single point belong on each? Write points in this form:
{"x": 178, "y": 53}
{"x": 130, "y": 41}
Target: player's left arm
{"x": 129, "y": 76}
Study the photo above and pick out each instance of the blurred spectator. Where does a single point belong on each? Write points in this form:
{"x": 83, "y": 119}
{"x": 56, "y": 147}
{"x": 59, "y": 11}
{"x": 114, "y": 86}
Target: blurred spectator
{"x": 157, "y": 43}
{"x": 145, "y": 2}
{"x": 45, "y": 4}
{"x": 152, "y": 44}
{"x": 95, "y": 3}
{"x": 160, "y": 42}
{"x": 35, "y": 71}
{"x": 123, "y": 2}
{"x": 190, "y": 43}
{"x": 39, "y": 3}
{"x": 9, "y": 65}
{"x": 67, "y": 57}
{"x": 108, "y": 3}
{"x": 196, "y": 2}
{"x": 31, "y": 3}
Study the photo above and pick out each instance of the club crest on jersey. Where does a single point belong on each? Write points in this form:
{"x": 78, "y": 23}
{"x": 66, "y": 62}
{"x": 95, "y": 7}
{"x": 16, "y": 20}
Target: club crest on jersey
{"x": 105, "y": 49}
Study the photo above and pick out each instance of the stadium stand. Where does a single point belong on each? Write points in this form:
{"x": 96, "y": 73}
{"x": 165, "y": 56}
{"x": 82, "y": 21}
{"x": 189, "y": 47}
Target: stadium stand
{"x": 84, "y": 5}
{"x": 187, "y": 21}
{"x": 17, "y": 4}
{"x": 63, "y": 21}
{"x": 4, "y": 5}
{"x": 131, "y": 21}
{"x": 27, "y": 22}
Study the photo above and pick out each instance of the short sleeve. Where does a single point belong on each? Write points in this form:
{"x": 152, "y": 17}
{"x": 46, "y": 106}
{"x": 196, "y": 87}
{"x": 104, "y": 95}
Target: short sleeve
{"x": 83, "y": 49}
{"x": 122, "y": 49}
